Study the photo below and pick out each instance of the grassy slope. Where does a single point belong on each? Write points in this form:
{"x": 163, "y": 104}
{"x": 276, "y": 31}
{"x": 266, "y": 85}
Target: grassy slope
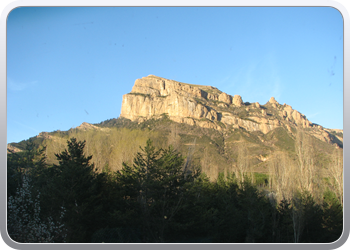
{"x": 213, "y": 150}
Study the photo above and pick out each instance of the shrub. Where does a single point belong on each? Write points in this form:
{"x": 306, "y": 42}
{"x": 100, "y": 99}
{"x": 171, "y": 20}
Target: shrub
{"x": 23, "y": 218}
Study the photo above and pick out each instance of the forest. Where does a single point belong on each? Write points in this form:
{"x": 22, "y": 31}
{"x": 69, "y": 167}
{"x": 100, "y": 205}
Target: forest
{"x": 164, "y": 197}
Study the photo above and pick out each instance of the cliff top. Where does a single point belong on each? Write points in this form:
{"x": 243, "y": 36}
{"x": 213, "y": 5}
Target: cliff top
{"x": 163, "y": 86}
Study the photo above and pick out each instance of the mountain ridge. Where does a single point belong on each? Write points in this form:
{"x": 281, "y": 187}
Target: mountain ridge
{"x": 217, "y": 128}
{"x": 208, "y": 107}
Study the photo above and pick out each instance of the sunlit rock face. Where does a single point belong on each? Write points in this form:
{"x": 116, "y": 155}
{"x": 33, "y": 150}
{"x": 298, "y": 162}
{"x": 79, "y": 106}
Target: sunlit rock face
{"x": 208, "y": 107}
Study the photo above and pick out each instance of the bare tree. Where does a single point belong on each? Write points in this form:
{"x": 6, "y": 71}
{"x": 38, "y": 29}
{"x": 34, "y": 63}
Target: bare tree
{"x": 297, "y": 214}
{"x": 242, "y": 166}
{"x": 335, "y": 170}
{"x": 281, "y": 170}
{"x": 188, "y": 163}
{"x": 305, "y": 162}
{"x": 205, "y": 161}
{"x": 174, "y": 137}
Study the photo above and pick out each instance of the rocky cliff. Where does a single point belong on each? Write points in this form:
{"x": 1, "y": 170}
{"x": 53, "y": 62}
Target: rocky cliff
{"x": 208, "y": 107}
{"x": 216, "y": 127}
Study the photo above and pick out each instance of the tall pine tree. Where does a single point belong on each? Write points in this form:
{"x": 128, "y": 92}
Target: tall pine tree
{"x": 75, "y": 185}
{"x": 156, "y": 182}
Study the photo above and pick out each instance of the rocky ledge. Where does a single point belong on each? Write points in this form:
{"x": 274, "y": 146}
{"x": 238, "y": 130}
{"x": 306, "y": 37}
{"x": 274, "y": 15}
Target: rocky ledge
{"x": 208, "y": 107}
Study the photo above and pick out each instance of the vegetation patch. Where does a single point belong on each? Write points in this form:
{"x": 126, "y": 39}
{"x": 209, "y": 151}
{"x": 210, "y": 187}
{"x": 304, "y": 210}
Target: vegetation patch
{"x": 261, "y": 179}
{"x": 141, "y": 94}
{"x": 159, "y": 195}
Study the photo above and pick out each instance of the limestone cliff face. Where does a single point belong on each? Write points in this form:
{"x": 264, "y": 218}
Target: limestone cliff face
{"x": 153, "y": 96}
{"x": 208, "y": 107}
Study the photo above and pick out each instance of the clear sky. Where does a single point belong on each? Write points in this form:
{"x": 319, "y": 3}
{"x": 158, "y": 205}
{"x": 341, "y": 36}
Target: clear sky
{"x": 69, "y": 65}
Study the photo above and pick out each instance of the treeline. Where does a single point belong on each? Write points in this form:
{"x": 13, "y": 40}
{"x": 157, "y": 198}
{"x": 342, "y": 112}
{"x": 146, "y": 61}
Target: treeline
{"x": 111, "y": 146}
{"x": 160, "y": 197}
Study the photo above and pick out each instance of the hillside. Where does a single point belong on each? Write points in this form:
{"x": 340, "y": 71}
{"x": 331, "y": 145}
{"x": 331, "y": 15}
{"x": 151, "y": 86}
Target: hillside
{"x": 213, "y": 128}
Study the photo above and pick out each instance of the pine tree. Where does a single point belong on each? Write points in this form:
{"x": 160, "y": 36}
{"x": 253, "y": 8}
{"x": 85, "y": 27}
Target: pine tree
{"x": 30, "y": 161}
{"x": 156, "y": 182}
{"x": 75, "y": 184}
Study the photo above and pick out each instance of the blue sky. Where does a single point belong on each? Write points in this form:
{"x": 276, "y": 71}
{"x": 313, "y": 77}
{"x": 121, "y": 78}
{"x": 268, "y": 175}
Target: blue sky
{"x": 69, "y": 65}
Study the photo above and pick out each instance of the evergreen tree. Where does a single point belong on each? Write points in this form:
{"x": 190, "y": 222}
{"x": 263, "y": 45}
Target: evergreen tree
{"x": 285, "y": 231}
{"x": 75, "y": 184}
{"x": 157, "y": 183}
{"x": 30, "y": 161}
{"x": 332, "y": 218}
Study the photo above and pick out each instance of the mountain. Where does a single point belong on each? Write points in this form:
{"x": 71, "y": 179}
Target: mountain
{"x": 208, "y": 107}
{"x": 213, "y": 129}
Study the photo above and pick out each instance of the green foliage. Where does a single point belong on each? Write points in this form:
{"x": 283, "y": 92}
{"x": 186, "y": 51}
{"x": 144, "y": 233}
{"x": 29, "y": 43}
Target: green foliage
{"x": 31, "y": 161}
{"x": 302, "y": 220}
{"x": 222, "y": 125}
{"x": 281, "y": 139}
{"x": 75, "y": 184}
{"x": 155, "y": 198}
{"x": 115, "y": 141}
{"x": 111, "y": 146}
{"x": 332, "y": 217}
{"x": 156, "y": 182}
{"x": 261, "y": 179}
{"x": 257, "y": 211}
{"x": 336, "y": 133}
{"x": 140, "y": 94}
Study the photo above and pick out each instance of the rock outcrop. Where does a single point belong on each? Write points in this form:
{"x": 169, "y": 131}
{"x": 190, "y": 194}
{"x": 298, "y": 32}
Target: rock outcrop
{"x": 153, "y": 96}
{"x": 88, "y": 126}
{"x": 11, "y": 149}
{"x": 208, "y": 107}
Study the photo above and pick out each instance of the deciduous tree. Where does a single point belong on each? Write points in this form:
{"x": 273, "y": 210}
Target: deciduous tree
{"x": 335, "y": 171}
